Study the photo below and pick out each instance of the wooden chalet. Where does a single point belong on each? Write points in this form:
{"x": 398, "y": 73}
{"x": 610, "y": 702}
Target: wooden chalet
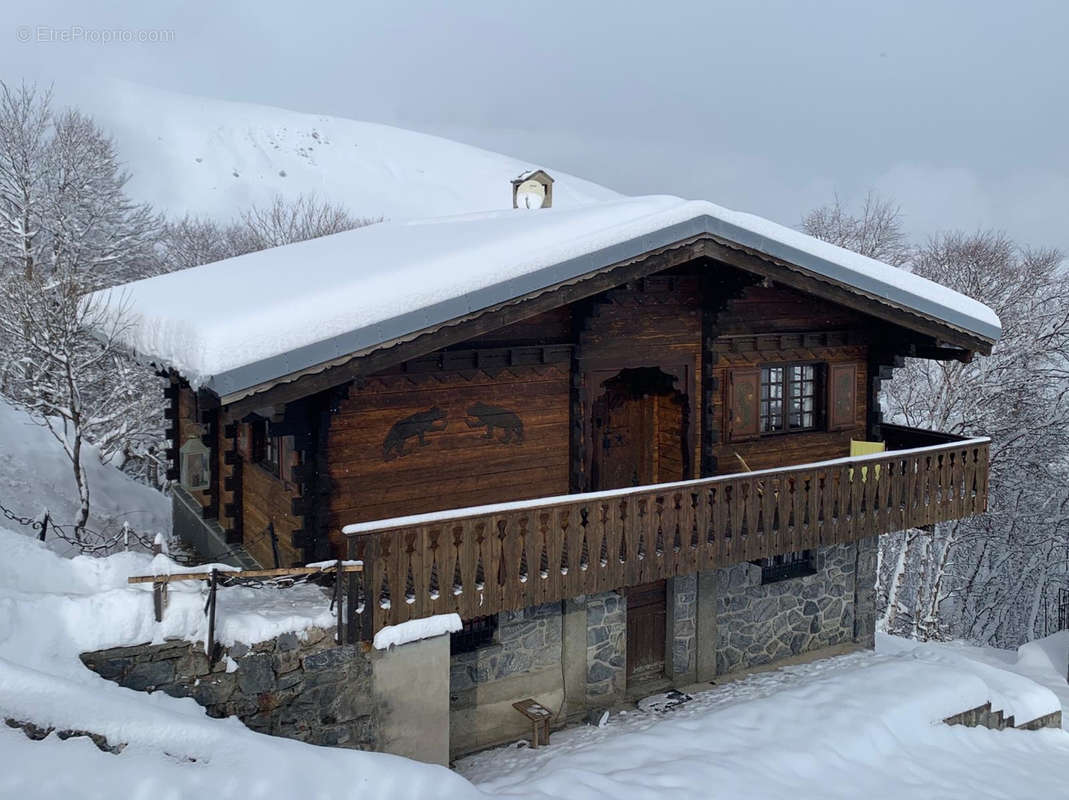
{"x": 655, "y": 414}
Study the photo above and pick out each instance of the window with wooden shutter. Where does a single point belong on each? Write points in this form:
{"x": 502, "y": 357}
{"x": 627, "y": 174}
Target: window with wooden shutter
{"x": 743, "y": 419}
{"x": 842, "y": 396}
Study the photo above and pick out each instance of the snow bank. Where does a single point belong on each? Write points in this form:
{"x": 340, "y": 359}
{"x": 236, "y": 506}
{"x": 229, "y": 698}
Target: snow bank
{"x": 1009, "y": 691}
{"x": 1028, "y": 683}
{"x": 416, "y": 629}
{"x": 35, "y": 474}
{"x": 364, "y": 287}
{"x": 52, "y": 608}
{"x": 861, "y": 725}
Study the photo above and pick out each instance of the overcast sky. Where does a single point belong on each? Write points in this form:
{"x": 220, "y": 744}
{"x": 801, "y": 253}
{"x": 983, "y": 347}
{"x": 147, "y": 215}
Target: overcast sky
{"x": 957, "y": 110}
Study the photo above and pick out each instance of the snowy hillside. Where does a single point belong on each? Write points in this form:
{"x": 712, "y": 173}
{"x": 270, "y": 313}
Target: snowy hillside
{"x": 35, "y": 474}
{"x": 53, "y": 608}
{"x": 213, "y": 157}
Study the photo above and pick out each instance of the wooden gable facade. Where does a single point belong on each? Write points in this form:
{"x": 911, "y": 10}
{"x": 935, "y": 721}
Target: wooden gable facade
{"x": 693, "y": 362}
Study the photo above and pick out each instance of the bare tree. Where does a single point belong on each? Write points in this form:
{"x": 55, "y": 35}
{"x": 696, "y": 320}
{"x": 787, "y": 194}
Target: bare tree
{"x": 25, "y": 120}
{"x": 992, "y": 578}
{"x": 193, "y": 241}
{"x": 68, "y": 228}
{"x": 74, "y": 379}
{"x": 876, "y": 232}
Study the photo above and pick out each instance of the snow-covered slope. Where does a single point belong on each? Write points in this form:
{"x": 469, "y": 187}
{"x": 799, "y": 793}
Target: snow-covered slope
{"x": 51, "y": 608}
{"x": 35, "y": 474}
{"x": 215, "y": 158}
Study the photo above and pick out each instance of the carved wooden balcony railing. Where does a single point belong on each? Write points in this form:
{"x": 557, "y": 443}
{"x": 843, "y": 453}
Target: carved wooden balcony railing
{"x": 483, "y": 560}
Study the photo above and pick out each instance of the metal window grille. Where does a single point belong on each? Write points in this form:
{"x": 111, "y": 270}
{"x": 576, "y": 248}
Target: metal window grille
{"x": 476, "y": 633}
{"x": 783, "y": 567}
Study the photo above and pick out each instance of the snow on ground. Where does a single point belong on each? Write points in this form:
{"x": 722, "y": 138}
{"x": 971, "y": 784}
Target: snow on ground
{"x": 210, "y": 157}
{"x": 861, "y": 725}
{"x": 52, "y": 608}
{"x": 36, "y": 474}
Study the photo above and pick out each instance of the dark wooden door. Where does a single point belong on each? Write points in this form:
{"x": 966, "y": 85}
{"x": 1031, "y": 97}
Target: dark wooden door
{"x": 638, "y": 440}
{"x": 646, "y": 620}
{"x": 622, "y": 434}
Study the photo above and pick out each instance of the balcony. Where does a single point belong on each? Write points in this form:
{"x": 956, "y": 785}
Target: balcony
{"x": 483, "y": 560}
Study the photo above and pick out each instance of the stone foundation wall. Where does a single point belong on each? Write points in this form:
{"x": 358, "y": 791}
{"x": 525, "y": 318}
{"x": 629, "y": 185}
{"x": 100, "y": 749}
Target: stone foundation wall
{"x": 865, "y": 565}
{"x": 682, "y": 608}
{"x": 758, "y": 624}
{"x": 526, "y": 641}
{"x": 606, "y": 641}
{"x": 306, "y": 688}
{"x": 523, "y": 661}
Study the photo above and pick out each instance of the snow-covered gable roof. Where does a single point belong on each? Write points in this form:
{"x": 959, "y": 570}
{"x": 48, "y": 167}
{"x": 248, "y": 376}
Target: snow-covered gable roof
{"x": 235, "y": 324}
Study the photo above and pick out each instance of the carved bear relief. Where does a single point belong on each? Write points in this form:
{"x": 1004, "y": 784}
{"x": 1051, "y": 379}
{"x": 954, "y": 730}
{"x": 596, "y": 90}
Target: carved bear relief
{"x": 499, "y": 426}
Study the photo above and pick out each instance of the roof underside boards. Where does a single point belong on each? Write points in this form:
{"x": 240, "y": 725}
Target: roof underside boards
{"x": 238, "y": 323}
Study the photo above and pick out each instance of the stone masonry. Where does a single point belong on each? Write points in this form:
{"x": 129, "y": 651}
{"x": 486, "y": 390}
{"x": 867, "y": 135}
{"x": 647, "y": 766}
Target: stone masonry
{"x": 865, "y": 565}
{"x": 526, "y": 641}
{"x": 682, "y": 615}
{"x": 606, "y": 659}
{"x": 300, "y": 688}
{"x": 758, "y": 624}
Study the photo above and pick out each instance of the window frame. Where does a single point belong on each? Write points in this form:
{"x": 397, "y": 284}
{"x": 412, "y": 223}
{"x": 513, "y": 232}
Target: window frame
{"x": 820, "y": 371}
{"x": 264, "y": 446}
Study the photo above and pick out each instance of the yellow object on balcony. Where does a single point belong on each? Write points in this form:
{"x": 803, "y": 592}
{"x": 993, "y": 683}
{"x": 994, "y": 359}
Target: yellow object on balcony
{"x": 862, "y": 448}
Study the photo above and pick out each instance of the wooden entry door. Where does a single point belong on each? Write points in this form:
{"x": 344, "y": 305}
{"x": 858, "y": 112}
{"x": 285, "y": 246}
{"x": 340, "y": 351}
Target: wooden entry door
{"x": 638, "y": 430}
{"x": 646, "y": 631}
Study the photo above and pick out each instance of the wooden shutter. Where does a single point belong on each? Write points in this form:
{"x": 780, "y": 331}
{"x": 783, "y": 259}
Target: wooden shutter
{"x": 842, "y": 396}
{"x": 744, "y": 422}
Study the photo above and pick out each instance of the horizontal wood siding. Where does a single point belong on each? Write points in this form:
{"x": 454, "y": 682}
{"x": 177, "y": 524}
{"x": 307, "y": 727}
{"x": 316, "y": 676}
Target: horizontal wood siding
{"x": 774, "y": 324}
{"x": 266, "y": 500}
{"x": 458, "y": 466}
{"x": 777, "y": 309}
{"x": 784, "y": 449}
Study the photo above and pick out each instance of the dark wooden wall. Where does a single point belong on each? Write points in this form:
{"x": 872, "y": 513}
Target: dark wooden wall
{"x": 359, "y": 458}
{"x": 655, "y": 322}
{"x": 268, "y": 500}
{"x": 375, "y": 474}
{"x": 768, "y": 325}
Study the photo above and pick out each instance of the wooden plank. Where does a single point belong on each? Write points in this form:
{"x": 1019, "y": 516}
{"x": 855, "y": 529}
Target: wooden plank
{"x": 247, "y": 573}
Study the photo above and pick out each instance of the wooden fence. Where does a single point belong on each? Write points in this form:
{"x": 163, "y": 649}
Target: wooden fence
{"x": 481, "y": 561}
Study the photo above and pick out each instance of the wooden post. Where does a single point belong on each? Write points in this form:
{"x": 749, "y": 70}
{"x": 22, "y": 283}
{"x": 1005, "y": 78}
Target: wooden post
{"x": 209, "y": 645}
{"x": 339, "y": 600}
{"x": 274, "y": 542}
{"x": 159, "y": 588}
{"x": 352, "y": 623}
{"x": 44, "y": 527}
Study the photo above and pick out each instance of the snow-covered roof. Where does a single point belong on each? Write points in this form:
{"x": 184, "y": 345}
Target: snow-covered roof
{"x": 238, "y": 323}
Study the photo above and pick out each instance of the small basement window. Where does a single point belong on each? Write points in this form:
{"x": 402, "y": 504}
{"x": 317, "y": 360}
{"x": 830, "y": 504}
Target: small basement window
{"x": 476, "y": 633}
{"x": 786, "y": 566}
